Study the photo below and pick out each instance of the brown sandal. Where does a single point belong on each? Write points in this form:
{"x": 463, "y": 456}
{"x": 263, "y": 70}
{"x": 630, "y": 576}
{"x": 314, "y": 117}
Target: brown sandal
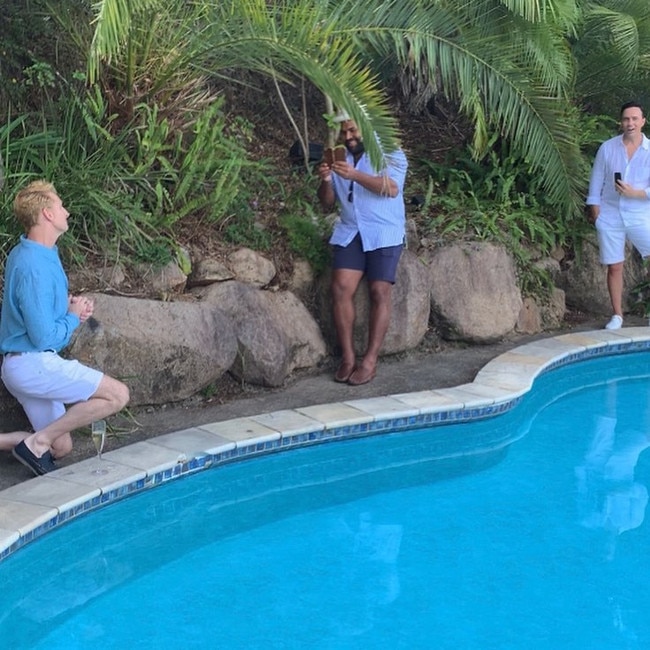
{"x": 344, "y": 372}
{"x": 362, "y": 376}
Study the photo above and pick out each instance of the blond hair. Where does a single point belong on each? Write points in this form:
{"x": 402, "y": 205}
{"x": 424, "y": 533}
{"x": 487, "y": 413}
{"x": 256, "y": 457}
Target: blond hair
{"x": 31, "y": 200}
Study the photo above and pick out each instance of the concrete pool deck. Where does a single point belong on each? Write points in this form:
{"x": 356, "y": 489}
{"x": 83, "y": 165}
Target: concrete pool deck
{"x": 32, "y": 507}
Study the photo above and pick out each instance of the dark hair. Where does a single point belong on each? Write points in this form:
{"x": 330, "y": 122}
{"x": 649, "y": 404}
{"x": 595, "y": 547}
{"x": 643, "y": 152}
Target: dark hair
{"x": 631, "y": 105}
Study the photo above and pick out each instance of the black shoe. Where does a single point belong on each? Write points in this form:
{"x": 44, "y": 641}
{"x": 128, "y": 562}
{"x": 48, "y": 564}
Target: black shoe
{"x": 39, "y": 466}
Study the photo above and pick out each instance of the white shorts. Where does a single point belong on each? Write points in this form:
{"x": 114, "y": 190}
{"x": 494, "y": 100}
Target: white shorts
{"x": 611, "y": 240}
{"x": 44, "y": 382}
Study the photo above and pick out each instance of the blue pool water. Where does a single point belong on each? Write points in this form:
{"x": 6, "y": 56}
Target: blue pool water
{"x": 524, "y": 531}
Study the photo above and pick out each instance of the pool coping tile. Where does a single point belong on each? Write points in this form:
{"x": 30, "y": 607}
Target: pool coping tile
{"x": 31, "y": 509}
{"x": 288, "y": 421}
{"x": 334, "y": 415}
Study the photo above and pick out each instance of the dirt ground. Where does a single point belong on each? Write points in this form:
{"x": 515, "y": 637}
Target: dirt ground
{"x": 434, "y": 364}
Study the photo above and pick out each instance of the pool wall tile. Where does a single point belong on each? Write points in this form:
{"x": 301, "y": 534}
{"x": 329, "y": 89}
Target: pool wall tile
{"x": 7, "y": 539}
{"x": 35, "y": 507}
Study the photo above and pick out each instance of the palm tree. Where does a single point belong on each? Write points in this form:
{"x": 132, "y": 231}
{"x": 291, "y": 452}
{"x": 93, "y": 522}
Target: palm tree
{"x": 612, "y": 52}
{"x": 506, "y": 62}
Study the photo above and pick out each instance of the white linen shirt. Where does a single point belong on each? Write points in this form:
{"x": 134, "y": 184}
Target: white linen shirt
{"x": 614, "y": 208}
{"x": 379, "y": 220}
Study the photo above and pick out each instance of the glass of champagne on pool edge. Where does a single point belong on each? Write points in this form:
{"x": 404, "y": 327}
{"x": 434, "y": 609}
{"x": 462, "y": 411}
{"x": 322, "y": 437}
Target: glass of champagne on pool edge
{"x": 98, "y": 433}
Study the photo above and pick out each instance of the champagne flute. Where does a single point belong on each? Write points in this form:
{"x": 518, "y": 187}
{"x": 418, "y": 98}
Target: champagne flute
{"x": 98, "y": 433}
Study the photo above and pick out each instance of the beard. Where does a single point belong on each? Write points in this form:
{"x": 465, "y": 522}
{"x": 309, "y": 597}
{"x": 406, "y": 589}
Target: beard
{"x": 355, "y": 150}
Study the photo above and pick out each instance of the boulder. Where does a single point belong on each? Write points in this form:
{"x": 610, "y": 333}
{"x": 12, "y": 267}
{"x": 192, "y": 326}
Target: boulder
{"x": 275, "y": 333}
{"x": 209, "y": 270}
{"x": 585, "y": 279}
{"x": 538, "y": 315}
{"x": 164, "y": 351}
{"x": 163, "y": 280}
{"x": 250, "y": 267}
{"x": 301, "y": 282}
{"x": 474, "y": 292}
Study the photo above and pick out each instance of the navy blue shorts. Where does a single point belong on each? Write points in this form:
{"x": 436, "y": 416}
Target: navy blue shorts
{"x": 380, "y": 264}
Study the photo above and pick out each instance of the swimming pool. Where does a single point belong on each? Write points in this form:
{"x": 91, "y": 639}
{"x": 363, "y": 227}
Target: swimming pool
{"x": 341, "y": 481}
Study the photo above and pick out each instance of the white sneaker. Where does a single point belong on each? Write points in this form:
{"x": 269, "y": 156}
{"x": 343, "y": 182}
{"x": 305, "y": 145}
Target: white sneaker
{"x": 615, "y": 323}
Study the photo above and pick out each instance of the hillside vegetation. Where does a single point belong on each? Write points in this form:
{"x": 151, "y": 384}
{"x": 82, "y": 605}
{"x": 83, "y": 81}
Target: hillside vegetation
{"x": 166, "y": 126}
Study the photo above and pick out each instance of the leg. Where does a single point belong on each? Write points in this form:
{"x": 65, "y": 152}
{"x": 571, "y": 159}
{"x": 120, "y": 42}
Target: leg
{"x": 615, "y": 287}
{"x": 381, "y": 273}
{"x": 9, "y": 440}
{"x": 380, "y": 309}
{"x": 611, "y": 242}
{"x": 344, "y": 285}
{"x": 110, "y": 397}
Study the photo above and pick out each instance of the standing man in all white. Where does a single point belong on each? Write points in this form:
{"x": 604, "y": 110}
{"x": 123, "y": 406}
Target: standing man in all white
{"x": 619, "y": 201}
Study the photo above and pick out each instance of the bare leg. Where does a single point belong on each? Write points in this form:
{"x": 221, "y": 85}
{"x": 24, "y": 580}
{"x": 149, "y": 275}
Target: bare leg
{"x": 615, "y": 287}
{"x": 9, "y": 440}
{"x": 380, "y": 309}
{"x": 111, "y": 397}
{"x": 344, "y": 285}
{"x": 62, "y": 446}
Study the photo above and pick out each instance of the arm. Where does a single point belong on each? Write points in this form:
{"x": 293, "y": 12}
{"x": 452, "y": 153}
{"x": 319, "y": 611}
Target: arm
{"x": 47, "y": 316}
{"x": 626, "y": 190}
{"x": 381, "y": 184}
{"x": 596, "y": 182}
{"x": 326, "y": 194}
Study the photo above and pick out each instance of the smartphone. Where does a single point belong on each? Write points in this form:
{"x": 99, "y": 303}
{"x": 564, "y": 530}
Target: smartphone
{"x": 617, "y": 177}
{"x": 330, "y": 155}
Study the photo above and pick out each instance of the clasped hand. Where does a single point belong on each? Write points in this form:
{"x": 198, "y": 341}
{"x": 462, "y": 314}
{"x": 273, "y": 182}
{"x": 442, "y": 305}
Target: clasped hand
{"x": 82, "y": 306}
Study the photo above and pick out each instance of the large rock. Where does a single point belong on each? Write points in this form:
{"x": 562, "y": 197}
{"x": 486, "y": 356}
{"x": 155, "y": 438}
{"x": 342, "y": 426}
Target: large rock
{"x": 474, "y": 292}
{"x": 164, "y": 351}
{"x": 585, "y": 279}
{"x": 409, "y": 315}
{"x": 164, "y": 280}
{"x": 249, "y": 266}
{"x": 276, "y": 334}
{"x": 537, "y": 314}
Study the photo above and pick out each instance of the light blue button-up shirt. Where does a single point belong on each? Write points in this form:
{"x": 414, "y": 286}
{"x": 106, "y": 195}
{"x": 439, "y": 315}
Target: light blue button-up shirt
{"x": 35, "y": 313}
{"x": 380, "y": 220}
{"x": 612, "y": 157}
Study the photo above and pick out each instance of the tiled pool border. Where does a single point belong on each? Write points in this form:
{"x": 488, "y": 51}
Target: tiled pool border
{"x": 33, "y": 508}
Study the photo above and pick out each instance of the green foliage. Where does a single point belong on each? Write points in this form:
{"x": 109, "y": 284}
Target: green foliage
{"x": 497, "y": 199}
{"x": 306, "y": 230}
{"x": 196, "y": 173}
{"x": 156, "y": 252}
{"x": 244, "y": 230}
{"x": 306, "y": 234}
{"x": 127, "y": 191}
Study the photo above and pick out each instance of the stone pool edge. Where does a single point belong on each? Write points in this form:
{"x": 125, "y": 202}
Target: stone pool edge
{"x": 33, "y": 508}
